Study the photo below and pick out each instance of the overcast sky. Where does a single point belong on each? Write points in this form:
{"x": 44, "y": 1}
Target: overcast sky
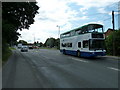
{"x": 68, "y": 14}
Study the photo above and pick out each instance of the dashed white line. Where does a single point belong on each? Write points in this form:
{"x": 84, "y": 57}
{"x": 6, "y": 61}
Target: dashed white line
{"x": 80, "y": 60}
{"x": 116, "y": 69}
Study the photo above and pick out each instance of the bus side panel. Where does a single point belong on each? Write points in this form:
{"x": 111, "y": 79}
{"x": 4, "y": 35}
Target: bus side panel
{"x": 92, "y": 54}
{"x": 86, "y": 54}
{"x": 70, "y": 52}
{"x": 83, "y": 54}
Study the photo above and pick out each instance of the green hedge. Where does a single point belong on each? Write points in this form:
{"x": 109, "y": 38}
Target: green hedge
{"x": 6, "y": 53}
{"x": 114, "y": 37}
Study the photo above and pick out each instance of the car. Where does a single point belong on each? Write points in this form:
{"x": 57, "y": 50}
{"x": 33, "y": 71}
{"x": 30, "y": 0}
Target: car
{"x": 24, "y": 49}
{"x": 30, "y": 47}
{"x": 35, "y": 47}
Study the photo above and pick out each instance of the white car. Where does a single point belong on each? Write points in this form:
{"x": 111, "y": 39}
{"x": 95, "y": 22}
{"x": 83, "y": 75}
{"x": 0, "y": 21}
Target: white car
{"x": 24, "y": 48}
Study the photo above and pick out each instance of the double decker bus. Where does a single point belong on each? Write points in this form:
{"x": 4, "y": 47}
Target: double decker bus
{"x": 85, "y": 41}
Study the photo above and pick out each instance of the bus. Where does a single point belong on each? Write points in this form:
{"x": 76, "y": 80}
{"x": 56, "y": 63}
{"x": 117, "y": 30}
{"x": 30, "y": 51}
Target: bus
{"x": 85, "y": 41}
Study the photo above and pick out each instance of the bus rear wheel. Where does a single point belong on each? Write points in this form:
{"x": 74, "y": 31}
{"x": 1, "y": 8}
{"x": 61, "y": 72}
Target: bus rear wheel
{"x": 78, "y": 53}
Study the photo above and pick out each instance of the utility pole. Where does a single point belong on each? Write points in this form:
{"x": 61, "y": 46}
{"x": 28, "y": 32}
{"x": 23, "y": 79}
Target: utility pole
{"x": 34, "y": 37}
{"x": 119, "y": 15}
{"x": 113, "y": 22}
{"x": 58, "y": 31}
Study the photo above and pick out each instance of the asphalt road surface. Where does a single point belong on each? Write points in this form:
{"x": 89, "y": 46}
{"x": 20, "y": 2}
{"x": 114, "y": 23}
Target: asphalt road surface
{"x": 43, "y": 68}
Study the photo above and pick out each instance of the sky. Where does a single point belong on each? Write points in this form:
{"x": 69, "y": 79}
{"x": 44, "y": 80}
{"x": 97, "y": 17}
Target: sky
{"x": 68, "y": 15}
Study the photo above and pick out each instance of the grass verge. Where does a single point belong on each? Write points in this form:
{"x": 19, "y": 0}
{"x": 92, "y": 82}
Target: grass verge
{"x": 6, "y": 55}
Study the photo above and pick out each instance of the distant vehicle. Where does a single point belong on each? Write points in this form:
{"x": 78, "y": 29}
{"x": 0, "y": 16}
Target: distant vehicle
{"x": 30, "y": 47}
{"x": 35, "y": 47}
{"x": 24, "y": 49}
{"x": 19, "y": 45}
{"x": 85, "y": 41}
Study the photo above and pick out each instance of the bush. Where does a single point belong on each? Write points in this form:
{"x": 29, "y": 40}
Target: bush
{"x": 116, "y": 41}
{"x": 6, "y": 52}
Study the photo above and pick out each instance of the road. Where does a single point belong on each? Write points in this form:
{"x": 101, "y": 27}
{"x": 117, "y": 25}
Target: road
{"x": 44, "y": 68}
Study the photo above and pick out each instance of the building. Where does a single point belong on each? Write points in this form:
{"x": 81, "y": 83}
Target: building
{"x": 107, "y": 33}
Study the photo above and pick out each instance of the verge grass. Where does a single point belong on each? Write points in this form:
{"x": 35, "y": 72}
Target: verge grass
{"x": 6, "y": 55}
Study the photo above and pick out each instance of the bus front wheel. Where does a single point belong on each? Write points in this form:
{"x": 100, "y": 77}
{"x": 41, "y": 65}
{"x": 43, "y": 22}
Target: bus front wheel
{"x": 64, "y": 51}
{"x": 78, "y": 53}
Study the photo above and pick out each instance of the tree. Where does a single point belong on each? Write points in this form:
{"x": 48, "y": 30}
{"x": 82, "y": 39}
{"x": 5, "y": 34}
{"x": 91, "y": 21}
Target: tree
{"x": 23, "y": 42}
{"x": 109, "y": 43}
{"x": 35, "y": 43}
{"x": 52, "y": 42}
{"x": 19, "y": 14}
{"x": 57, "y": 43}
{"x": 41, "y": 44}
{"x": 15, "y": 16}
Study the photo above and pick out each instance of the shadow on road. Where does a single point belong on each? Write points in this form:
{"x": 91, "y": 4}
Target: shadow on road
{"x": 95, "y": 58}
{"x": 98, "y": 58}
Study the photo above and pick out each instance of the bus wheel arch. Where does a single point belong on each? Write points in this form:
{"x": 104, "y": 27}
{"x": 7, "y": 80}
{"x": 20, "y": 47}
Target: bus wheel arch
{"x": 78, "y": 53}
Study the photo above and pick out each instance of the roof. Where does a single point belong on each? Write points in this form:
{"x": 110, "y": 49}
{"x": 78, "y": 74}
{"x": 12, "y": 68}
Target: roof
{"x": 85, "y": 27}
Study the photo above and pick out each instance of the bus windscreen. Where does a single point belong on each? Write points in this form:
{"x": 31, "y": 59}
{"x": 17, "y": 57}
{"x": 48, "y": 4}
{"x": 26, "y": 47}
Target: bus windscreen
{"x": 97, "y": 44}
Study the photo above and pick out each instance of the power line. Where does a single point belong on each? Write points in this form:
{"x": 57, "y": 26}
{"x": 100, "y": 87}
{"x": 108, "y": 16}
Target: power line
{"x": 117, "y": 11}
{"x": 109, "y": 18}
{"x": 96, "y": 14}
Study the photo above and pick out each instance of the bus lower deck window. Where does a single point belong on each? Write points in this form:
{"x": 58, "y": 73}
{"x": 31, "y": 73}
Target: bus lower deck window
{"x": 85, "y": 44}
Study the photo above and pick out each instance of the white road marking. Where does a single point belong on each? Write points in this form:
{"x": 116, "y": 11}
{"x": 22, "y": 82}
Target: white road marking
{"x": 80, "y": 60}
{"x": 116, "y": 69}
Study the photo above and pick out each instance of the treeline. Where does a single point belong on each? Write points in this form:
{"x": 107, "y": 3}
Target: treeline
{"x": 50, "y": 43}
{"x": 113, "y": 43}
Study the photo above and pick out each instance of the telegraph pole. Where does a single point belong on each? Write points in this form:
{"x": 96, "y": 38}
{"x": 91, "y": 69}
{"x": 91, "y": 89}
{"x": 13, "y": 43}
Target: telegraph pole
{"x": 113, "y": 22}
{"x": 58, "y": 31}
{"x": 118, "y": 15}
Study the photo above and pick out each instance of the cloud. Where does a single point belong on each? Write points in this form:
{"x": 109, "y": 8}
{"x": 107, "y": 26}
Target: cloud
{"x": 93, "y": 3}
{"x": 84, "y": 10}
{"x": 100, "y": 4}
{"x": 102, "y": 10}
{"x": 51, "y": 13}
{"x": 60, "y": 12}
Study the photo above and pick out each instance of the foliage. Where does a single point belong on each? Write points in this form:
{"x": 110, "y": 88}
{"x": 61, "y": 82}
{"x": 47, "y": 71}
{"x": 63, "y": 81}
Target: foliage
{"x": 22, "y": 41}
{"x": 114, "y": 37}
{"x": 52, "y": 42}
{"x": 41, "y": 44}
{"x": 19, "y": 14}
{"x": 57, "y": 43}
{"x": 15, "y": 16}
{"x": 7, "y": 54}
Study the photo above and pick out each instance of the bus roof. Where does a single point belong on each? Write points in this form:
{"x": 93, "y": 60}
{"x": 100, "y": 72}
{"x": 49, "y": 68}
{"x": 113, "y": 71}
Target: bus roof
{"x": 85, "y": 27}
